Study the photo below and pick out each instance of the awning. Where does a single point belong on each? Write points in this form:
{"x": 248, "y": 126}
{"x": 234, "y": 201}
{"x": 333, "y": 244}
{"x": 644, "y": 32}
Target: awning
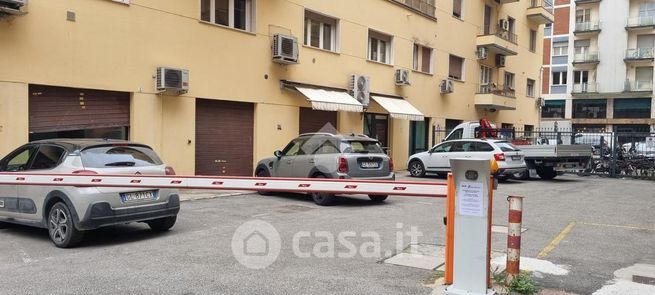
{"x": 331, "y": 100}
{"x": 399, "y": 108}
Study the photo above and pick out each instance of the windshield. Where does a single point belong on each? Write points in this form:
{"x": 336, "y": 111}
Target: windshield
{"x": 362, "y": 147}
{"x": 123, "y": 156}
{"x": 506, "y": 146}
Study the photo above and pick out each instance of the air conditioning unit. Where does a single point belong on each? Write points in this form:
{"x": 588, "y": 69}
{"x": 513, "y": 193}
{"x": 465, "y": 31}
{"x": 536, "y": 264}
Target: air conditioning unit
{"x": 285, "y": 49}
{"x": 172, "y": 81}
{"x": 500, "y": 60}
{"x": 360, "y": 88}
{"x": 504, "y": 24}
{"x": 402, "y": 77}
{"x": 541, "y": 102}
{"x": 482, "y": 53}
{"x": 12, "y": 6}
{"x": 447, "y": 86}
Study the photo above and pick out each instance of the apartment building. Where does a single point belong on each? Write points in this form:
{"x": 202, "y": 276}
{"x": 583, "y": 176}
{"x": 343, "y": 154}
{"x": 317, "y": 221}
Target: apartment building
{"x": 598, "y": 65}
{"x": 215, "y": 85}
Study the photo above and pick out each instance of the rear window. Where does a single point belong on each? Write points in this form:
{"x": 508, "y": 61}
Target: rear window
{"x": 506, "y": 146}
{"x": 119, "y": 156}
{"x": 362, "y": 147}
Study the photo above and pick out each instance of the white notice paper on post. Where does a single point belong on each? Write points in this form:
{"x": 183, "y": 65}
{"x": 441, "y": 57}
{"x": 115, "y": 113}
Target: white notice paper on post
{"x": 470, "y": 199}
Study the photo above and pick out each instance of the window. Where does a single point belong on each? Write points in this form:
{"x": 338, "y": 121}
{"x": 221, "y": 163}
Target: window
{"x": 422, "y": 58}
{"x": 580, "y": 77}
{"x": 533, "y": 40}
{"x": 379, "y": 47}
{"x": 320, "y": 31}
{"x": 443, "y": 148}
{"x": 18, "y": 160}
{"x": 456, "y": 68}
{"x": 559, "y": 78}
{"x": 48, "y": 157}
{"x": 560, "y": 48}
{"x": 553, "y": 109}
{"x": 582, "y": 16}
{"x": 457, "y": 8}
{"x": 509, "y": 80}
{"x": 482, "y": 147}
{"x": 457, "y": 134}
{"x": 632, "y": 107}
{"x": 485, "y": 79}
{"x": 581, "y": 46}
{"x": 529, "y": 89}
{"x": 238, "y": 14}
{"x": 590, "y": 108}
{"x": 462, "y": 146}
{"x": 422, "y": 6}
{"x": 121, "y": 156}
{"x": 293, "y": 148}
{"x": 647, "y": 9}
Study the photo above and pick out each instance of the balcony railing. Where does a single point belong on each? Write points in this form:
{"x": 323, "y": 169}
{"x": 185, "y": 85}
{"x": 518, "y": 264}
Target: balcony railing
{"x": 547, "y": 4}
{"x": 639, "y": 53}
{"x": 501, "y": 33}
{"x": 578, "y": 2}
{"x": 587, "y": 57}
{"x": 641, "y": 21}
{"x": 424, "y": 6}
{"x": 502, "y": 90}
{"x": 584, "y": 88}
{"x": 587, "y": 27}
{"x": 638, "y": 85}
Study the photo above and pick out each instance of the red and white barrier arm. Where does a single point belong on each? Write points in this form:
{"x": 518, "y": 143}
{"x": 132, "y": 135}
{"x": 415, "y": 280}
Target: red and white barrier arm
{"x": 301, "y": 185}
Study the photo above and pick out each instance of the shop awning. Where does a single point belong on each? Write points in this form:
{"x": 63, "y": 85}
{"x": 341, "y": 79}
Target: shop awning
{"x": 331, "y": 99}
{"x": 399, "y": 108}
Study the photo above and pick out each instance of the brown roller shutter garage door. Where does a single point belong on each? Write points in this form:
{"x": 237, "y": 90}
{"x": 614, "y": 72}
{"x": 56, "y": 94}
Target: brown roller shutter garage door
{"x": 224, "y": 138}
{"x": 315, "y": 121}
{"x": 74, "y": 112}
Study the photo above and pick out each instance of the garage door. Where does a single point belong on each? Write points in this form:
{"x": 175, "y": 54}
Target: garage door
{"x": 224, "y": 138}
{"x": 315, "y": 121}
{"x": 75, "y": 112}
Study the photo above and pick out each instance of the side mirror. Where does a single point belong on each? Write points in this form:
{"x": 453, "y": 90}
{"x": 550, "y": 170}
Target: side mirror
{"x": 278, "y": 154}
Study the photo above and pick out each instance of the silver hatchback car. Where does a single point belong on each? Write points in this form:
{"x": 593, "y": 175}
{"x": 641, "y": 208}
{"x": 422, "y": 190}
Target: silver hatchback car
{"x": 69, "y": 211}
{"x": 325, "y": 155}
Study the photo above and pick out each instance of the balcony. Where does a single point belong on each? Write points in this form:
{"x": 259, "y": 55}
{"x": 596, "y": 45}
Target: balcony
{"x": 638, "y": 86}
{"x": 639, "y": 54}
{"x": 426, "y": 7}
{"x": 498, "y": 41}
{"x": 587, "y": 58}
{"x": 495, "y": 97}
{"x": 580, "y": 2}
{"x": 506, "y": 1}
{"x": 586, "y": 28}
{"x": 640, "y": 22}
{"x": 540, "y": 11}
{"x": 583, "y": 88}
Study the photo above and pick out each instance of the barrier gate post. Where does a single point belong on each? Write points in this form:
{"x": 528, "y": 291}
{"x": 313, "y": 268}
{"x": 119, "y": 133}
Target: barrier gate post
{"x": 471, "y": 237}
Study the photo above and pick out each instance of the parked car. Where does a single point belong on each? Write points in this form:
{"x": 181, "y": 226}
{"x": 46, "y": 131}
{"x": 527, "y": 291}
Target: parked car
{"x": 67, "y": 212}
{"x": 325, "y": 155}
{"x": 437, "y": 160}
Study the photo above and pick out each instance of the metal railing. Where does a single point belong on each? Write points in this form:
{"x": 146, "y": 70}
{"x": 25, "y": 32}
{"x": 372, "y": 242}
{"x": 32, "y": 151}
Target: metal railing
{"x": 424, "y": 6}
{"x": 587, "y": 57}
{"x": 502, "y": 90}
{"x": 641, "y": 21}
{"x": 584, "y": 88}
{"x": 587, "y": 27}
{"x": 638, "y": 85}
{"x": 547, "y": 4}
{"x": 640, "y": 53}
{"x": 501, "y": 33}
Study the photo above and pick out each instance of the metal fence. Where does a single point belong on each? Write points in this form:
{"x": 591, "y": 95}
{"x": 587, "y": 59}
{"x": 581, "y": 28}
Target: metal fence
{"x": 615, "y": 154}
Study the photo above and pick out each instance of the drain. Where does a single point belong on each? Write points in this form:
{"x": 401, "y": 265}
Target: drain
{"x": 643, "y": 280}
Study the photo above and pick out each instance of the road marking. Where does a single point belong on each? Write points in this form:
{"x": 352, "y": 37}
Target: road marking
{"x": 618, "y": 226}
{"x": 556, "y": 240}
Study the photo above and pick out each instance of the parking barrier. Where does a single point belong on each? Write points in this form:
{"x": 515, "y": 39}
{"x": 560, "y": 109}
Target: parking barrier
{"x": 514, "y": 237}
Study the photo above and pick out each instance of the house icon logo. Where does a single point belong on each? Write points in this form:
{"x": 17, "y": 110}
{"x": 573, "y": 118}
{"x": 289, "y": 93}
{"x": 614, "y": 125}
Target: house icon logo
{"x": 256, "y": 244}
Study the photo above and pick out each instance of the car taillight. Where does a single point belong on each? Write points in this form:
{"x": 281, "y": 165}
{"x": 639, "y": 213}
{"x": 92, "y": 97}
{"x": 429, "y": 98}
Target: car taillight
{"x": 390, "y": 164}
{"x": 343, "y": 165}
{"x": 499, "y": 157}
{"x": 85, "y": 172}
{"x": 170, "y": 170}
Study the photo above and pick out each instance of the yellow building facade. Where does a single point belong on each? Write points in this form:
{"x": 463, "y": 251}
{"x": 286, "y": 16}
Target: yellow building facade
{"x": 80, "y": 68}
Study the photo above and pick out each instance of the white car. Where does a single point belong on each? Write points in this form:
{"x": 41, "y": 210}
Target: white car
{"x": 437, "y": 160}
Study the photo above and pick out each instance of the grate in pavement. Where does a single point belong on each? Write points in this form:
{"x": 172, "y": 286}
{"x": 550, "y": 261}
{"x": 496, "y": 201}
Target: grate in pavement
{"x": 643, "y": 280}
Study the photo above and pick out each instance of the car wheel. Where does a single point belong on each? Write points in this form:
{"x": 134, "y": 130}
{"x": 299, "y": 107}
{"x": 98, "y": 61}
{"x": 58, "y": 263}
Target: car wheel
{"x": 523, "y": 175}
{"x": 546, "y": 173}
{"x": 416, "y": 168}
{"x": 162, "y": 224}
{"x": 323, "y": 199}
{"x": 61, "y": 228}
{"x": 378, "y": 198}
{"x": 263, "y": 173}
{"x": 502, "y": 178}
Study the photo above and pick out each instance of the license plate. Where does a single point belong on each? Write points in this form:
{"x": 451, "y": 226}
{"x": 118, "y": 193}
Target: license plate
{"x": 370, "y": 164}
{"x": 516, "y": 158}
{"x": 138, "y": 196}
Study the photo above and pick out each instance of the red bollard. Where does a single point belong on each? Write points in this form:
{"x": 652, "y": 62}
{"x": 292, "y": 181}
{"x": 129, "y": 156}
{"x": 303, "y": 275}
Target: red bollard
{"x": 514, "y": 237}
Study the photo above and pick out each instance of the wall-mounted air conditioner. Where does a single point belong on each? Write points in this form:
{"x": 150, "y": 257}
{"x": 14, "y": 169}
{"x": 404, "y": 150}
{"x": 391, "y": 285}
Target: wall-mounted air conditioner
{"x": 12, "y": 6}
{"x": 285, "y": 49}
{"x": 401, "y": 77}
{"x": 360, "y": 88}
{"x": 446, "y": 86}
{"x": 172, "y": 81}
